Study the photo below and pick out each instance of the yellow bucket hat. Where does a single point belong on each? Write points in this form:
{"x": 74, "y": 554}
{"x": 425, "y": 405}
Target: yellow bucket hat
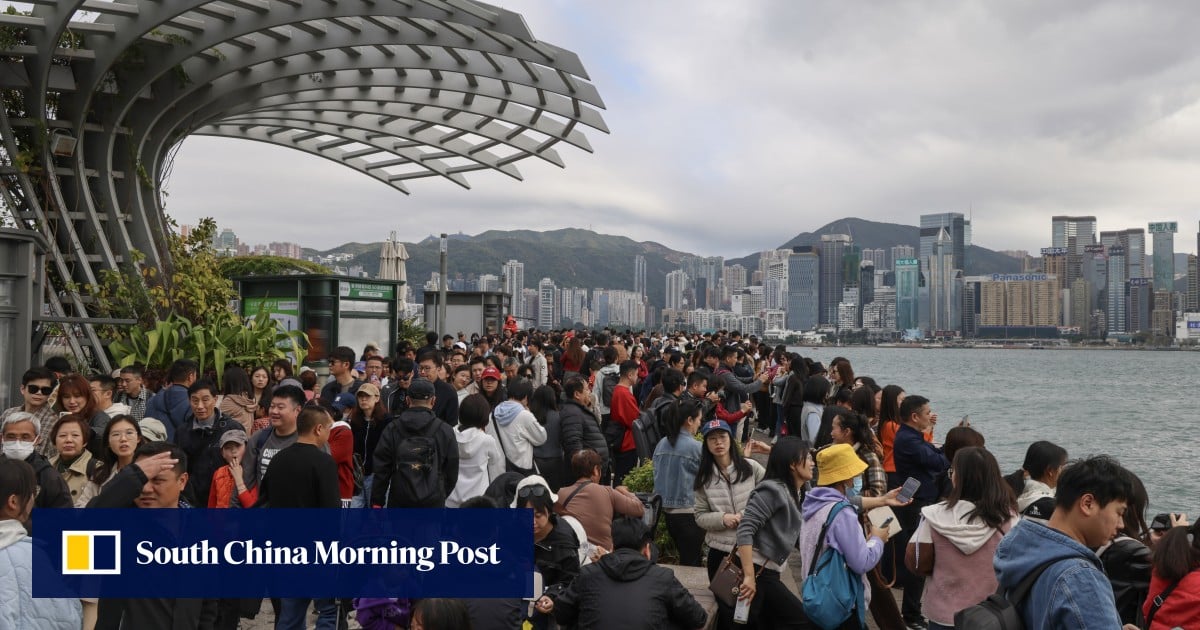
{"x": 838, "y": 463}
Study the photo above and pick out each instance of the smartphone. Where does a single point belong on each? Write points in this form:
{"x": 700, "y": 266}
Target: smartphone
{"x": 887, "y": 523}
{"x": 909, "y": 489}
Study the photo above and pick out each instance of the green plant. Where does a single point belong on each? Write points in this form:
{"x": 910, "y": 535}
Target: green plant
{"x": 409, "y": 330}
{"x": 237, "y": 266}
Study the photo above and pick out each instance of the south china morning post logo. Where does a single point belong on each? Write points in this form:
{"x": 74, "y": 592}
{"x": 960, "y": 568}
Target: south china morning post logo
{"x": 91, "y": 552}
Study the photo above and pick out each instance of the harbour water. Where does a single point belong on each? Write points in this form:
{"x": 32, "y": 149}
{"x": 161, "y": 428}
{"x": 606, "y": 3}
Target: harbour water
{"x": 1137, "y": 406}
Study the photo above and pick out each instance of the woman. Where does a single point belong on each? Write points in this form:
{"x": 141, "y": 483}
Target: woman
{"x": 75, "y": 397}
{"x": 1176, "y": 560}
{"x": 237, "y": 399}
{"x": 841, "y": 374}
{"x": 793, "y": 395}
{"x": 489, "y": 386}
{"x": 768, "y": 532}
{"x": 572, "y": 361}
{"x": 368, "y": 419}
{"x": 281, "y": 369}
{"x": 723, "y": 485}
{"x": 638, "y": 355}
{"x": 462, "y": 382}
{"x": 852, "y": 429}
{"x": 816, "y": 389}
{"x": 440, "y": 614}
{"x": 18, "y": 609}
{"x": 71, "y": 435}
{"x": 308, "y": 382}
{"x": 837, "y": 467}
{"x": 260, "y": 380}
{"x": 676, "y": 462}
{"x": 1126, "y": 559}
{"x": 480, "y": 460}
{"x": 863, "y": 401}
{"x": 889, "y": 424}
{"x": 778, "y": 390}
{"x": 555, "y": 546}
{"x": 1034, "y": 484}
{"x": 548, "y": 456}
{"x": 120, "y": 439}
{"x": 956, "y": 541}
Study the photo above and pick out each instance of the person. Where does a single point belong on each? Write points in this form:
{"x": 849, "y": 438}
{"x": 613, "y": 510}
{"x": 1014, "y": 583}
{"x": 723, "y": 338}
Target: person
{"x": 572, "y": 362}
{"x": 624, "y": 589}
{"x": 548, "y": 456}
{"x": 416, "y": 432}
{"x": 133, "y": 391}
{"x": 918, "y": 459}
{"x": 266, "y": 443}
{"x": 463, "y": 384}
{"x": 104, "y": 391}
{"x": 281, "y": 369}
{"x": 1034, "y": 483}
{"x": 676, "y": 462}
{"x": 956, "y": 541}
{"x": 1091, "y": 496}
{"x": 490, "y": 387}
{"x": 593, "y": 504}
{"x": 120, "y": 440}
{"x": 18, "y": 609}
{"x": 75, "y": 396}
{"x": 76, "y": 464}
{"x": 430, "y": 367}
{"x": 623, "y": 410}
{"x": 227, "y": 486}
{"x": 768, "y": 532}
{"x": 889, "y": 424}
{"x": 374, "y": 371}
{"x": 480, "y": 460}
{"x": 816, "y": 388}
{"x": 440, "y": 614}
{"x": 537, "y": 360}
{"x": 556, "y": 548}
{"x": 200, "y": 438}
{"x": 579, "y": 428}
{"x": 1176, "y": 562}
{"x": 170, "y": 405}
{"x": 516, "y": 429}
{"x": 261, "y": 385}
{"x": 723, "y": 485}
{"x": 154, "y": 480}
{"x": 395, "y": 394}
{"x": 341, "y": 377}
{"x": 237, "y": 400}
{"x": 957, "y": 438}
{"x": 1126, "y": 558}
{"x": 18, "y": 440}
{"x": 737, "y": 389}
{"x": 341, "y": 448}
{"x": 368, "y": 419}
{"x": 854, "y": 429}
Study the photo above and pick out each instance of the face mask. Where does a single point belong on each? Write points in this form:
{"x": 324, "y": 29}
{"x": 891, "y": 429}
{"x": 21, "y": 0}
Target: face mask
{"x": 18, "y": 450}
{"x": 856, "y": 489}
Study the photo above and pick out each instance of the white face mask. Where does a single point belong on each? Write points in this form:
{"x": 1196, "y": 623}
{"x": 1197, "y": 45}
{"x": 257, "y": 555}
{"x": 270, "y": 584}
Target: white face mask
{"x": 18, "y": 450}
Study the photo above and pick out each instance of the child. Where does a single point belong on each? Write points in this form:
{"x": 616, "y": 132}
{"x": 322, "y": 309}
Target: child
{"x": 228, "y": 489}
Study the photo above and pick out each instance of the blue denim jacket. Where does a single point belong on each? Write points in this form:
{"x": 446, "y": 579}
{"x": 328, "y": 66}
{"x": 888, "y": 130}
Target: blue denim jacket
{"x": 675, "y": 469}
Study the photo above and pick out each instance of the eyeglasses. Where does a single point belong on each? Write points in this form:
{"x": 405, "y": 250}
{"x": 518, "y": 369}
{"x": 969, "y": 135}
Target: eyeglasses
{"x": 532, "y": 491}
{"x": 123, "y": 434}
{"x": 34, "y": 389}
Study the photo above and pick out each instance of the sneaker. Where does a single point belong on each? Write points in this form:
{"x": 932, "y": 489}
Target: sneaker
{"x": 919, "y": 623}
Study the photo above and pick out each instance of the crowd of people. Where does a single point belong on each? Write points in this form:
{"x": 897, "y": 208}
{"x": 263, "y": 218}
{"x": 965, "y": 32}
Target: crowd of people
{"x": 856, "y": 498}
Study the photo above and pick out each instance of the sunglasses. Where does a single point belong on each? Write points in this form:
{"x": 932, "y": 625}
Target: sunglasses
{"x": 532, "y": 491}
{"x": 34, "y": 389}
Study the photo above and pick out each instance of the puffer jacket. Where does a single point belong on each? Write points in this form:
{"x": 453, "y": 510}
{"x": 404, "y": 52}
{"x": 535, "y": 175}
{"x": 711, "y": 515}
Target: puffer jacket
{"x": 717, "y": 498}
{"x": 625, "y": 590}
{"x": 579, "y": 431}
{"x": 17, "y": 607}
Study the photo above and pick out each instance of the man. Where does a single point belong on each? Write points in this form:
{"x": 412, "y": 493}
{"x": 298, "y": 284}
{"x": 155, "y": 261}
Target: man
{"x": 171, "y": 405}
{"x": 341, "y": 375}
{"x": 579, "y": 428}
{"x": 673, "y": 390}
{"x": 712, "y": 360}
{"x": 594, "y": 504}
{"x": 922, "y": 461}
{"x": 395, "y": 393}
{"x": 429, "y": 367}
{"x": 609, "y": 371}
{"x": 20, "y": 434}
{"x": 447, "y": 343}
{"x": 431, "y": 340}
{"x": 264, "y": 445}
{"x": 374, "y": 371}
{"x": 697, "y": 391}
{"x": 200, "y": 438}
{"x": 420, "y": 448}
{"x": 1072, "y": 591}
{"x": 133, "y": 393}
{"x": 737, "y": 391}
{"x": 155, "y": 480}
{"x": 36, "y": 386}
{"x": 104, "y": 388}
{"x": 624, "y": 411}
{"x": 625, "y": 590}
{"x": 483, "y": 347}
{"x": 538, "y": 361}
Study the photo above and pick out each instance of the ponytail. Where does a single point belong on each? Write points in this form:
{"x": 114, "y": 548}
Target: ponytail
{"x": 678, "y": 414}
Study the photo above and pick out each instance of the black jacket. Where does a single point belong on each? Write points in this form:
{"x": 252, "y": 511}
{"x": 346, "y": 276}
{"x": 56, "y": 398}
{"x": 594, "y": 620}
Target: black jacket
{"x": 445, "y": 403}
{"x": 557, "y": 557}
{"x": 414, "y": 421}
{"x": 1127, "y": 564}
{"x": 395, "y": 398}
{"x": 52, "y": 490}
{"x": 580, "y": 430}
{"x": 625, "y": 590}
{"x": 203, "y": 448}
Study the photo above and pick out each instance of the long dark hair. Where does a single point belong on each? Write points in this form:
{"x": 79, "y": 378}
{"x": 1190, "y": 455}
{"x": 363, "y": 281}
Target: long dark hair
{"x": 108, "y": 459}
{"x": 816, "y": 389}
{"x": 443, "y": 614}
{"x": 1134, "y": 520}
{"x": 860, "y": 430}
{"x": 358, "y": 417}
{"x": 542, "y": 402}
{"x": 237, "y": 381}
{"x": 977, "y": 479}
{"x": 787, "y": 451}
{"x": 17, "y": 478}
{"x": 862, "y": 400}
{"x": 1175, "y": 555}
{"x": 890, "y": 404}
{"x": 1040, "y": 457}
{"x": 708, "y": 464}
{"x": 680, "y": 412}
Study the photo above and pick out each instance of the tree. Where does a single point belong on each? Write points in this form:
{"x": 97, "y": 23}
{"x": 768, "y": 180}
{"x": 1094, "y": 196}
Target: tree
{"x": 237, "y": 266}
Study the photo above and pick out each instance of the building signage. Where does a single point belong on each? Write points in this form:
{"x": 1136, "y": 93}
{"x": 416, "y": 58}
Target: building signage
{"x": 1164, "y": 226}
{"x": 366, "y": 290}
{"x": 1054, "y": 251}
{"x": 1193, "y": 324}
{"x": 909, "y": 262}
{"x": 1094, "y": 249}
{"x": 285, "y": 310}
{"x": 1020, "y": 277}
{"x": 1116, "y": 250}
{"x": 1141, "y": 282}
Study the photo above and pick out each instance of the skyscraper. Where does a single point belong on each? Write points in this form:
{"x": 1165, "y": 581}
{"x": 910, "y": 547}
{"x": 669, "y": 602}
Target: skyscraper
{"x": 548, "y": 305}
{"x": 513, "y": 273}
{"x": 804, "y": 289}
{"x": 1115, "y": 313}
{"x": 639, "y": 275}
{"x": 1192, "y": 304}
{"x": 907, "y": 283}
{"x": 1163, "y": 234}
{"x": 955, "y": 225}
{"x": 677, "y": 282}
{"x": 900, "y": 252}
{"x": 833, "y": 251}
{"x": 866, "y": 282}
{"x": 945, "y": 297}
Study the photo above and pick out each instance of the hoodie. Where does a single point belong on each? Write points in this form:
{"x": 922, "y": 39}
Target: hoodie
{"x": 1072, "y": 593}
{"x": 845, "y": 534}
{"x": 518, "y": 432}
{"x": 1033, "y": 492}
{"x": 479, "y": 462}
{"x": 963, "y": 550}
{"x": 625, "y": 590}
{"x": 18, "y": 609}
{"x": 241, "y": 408}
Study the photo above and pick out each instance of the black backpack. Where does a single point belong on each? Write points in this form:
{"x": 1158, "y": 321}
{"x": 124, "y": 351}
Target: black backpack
{"x": 416, "y": 476}
{"x": 607, "y": 386}
{"x": 1000, "y": 611}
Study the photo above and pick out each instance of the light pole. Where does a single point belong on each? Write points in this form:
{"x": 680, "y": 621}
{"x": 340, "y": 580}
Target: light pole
{"x": 441, "y": 322}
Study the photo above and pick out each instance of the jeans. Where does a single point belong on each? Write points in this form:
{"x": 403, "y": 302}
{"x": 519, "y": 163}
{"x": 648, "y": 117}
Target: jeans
{"x": 293, "y": 612}
{"x": 688, "y": 537}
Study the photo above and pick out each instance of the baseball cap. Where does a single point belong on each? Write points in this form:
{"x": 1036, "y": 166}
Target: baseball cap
{"x": 715, "y": 425}
{"x": 421, "y": 389}
{"x": 233, "y": 435}
{"x": 344, "y": 401}
{"x": 368, "y": 388}
{"x": 490, "y": 372}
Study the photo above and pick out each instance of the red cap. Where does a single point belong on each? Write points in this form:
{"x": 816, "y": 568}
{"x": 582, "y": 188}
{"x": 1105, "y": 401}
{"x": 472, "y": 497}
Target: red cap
{"x": 490, "y": 372}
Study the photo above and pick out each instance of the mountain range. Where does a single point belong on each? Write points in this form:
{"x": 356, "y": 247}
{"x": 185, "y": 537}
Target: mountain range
{"x": 574, "y": 257}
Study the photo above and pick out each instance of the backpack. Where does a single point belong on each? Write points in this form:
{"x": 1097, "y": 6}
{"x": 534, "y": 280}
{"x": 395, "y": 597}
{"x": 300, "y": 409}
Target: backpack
{"x": 831, "y": 592}
{"x": 998, "y": 611}
{"x": 648, "y": 428}
{"x": 607, "y": 386}
{"x": 416, "y": 476}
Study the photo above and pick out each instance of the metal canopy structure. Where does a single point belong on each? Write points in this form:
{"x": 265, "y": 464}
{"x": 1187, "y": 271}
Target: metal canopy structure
{"x": 98, "y": 95}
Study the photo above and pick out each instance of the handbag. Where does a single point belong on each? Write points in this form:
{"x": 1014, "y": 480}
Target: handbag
{"x": 726, "y": 583}
{"x": 832, "y": 592}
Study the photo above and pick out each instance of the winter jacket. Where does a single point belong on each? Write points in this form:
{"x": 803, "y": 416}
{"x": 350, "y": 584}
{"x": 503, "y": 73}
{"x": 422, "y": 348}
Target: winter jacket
{"x": 241, "y": 408}
{"x": 553, "y": 446}
{"x": 18, "y": 609}
{"x": 540, "y": 369}
{"x": 341, "y": 448}
{"x": 1127, "y": 563}
{"x": 203, "y": 447}
{"x": 171, "y": 407}
{"x": 594, "y": 506}
{"x": 625, "y": 590}
{"x": 598, "y": 406}
{"x": 557, "y": 557}
{"x": 737, "y": 391}
{"x": 519, "y": 432}
{"x": 844, "y": 534}
{"x": 1073, "y": 591}
{"x": 366, "y": 438}
{"x": 76, "y": 475}
{"x": 624, "y": 411}
{"x": 1037, "y": 501}
{"x": 1180, "y": 609}
{"x": 771, "y": 521}
{"x": 580, "y": 430}
{"x": 675, "y": 469}
{"x": 963, "y": 549}
{"x": 479, "y": 462}
{"x": 413, "y": 422}
{"x": 919, "y": 459}
{"x": 52, "y": 490}
{"x": 718, "y": 498}
{"x": 445, "y": 402}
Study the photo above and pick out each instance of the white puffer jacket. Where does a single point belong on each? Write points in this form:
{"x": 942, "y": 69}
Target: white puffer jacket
{"x": 17, "y": 608}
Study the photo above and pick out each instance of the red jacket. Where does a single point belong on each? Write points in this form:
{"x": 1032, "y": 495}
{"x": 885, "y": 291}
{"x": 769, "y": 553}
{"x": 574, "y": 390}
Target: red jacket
{"x": 624, "y": 409}
{"x": 1181, "y": 609}
{"x": 341, "y": 447}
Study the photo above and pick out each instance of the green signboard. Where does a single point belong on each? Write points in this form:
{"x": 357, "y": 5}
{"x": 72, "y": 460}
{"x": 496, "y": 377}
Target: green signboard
{"x": 366, "y": 290}
{"x": 285, "y": 310}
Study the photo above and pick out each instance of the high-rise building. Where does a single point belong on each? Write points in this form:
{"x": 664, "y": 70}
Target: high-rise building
{"x": 513, "y": 273}
{"x": 833, "y": 252}
{"x": 1133, "y": 242}
{"x": 1082, "y": 305}
{"x": 548, "y": 305}
{"x": 1114, "y": 314}
{"x": 1193, "y": 285}
{"x": 677, "y": 283}
{"x": 879, "y": 317}
{"x": 226, "y": 242}
{"x": 488, "y": 282}
{"x": 1072, "y": 234}
{"x": 876, "y": 256}
{"x": 899, "y": 252}
{"x": 866, "y": 282}
{"x": 528, "y": 299}
{"x": 574, "y": 302}
{"x": 639, "y": 275}
{"x": 945, "y": 297}
{"x": 804, "y": 288}
{"x": 1012, "y": 300}
{"x": 1162, "y": 318}
{"x": 956, "y": 226}
{"x": 1163, "y": 234}
{"x": 734, "y": 277}
{"x": 908, "y": 278}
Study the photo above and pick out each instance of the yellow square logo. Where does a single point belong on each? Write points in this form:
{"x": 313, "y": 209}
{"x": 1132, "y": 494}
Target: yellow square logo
{"x": 91, "y": 552}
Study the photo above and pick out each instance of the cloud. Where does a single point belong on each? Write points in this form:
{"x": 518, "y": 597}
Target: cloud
{"x": 738, "y": 124}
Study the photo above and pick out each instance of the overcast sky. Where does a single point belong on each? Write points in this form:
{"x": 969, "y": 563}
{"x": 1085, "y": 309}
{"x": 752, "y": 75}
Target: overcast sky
{"x": 736, "y": 125}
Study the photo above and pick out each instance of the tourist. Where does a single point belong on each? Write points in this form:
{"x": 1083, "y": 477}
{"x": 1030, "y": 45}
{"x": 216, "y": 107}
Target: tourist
{"x": 593, "y": 504}
{"x": 517, "y": 430}
{"x": 440, "y": 614}
{"x": 104, "y": 391}
{"x": 624, "y": 589}
{"x": 676, "y": 462}
{"x": 1089, "y": 501}
{"x": 261, "y": 385}
{"x": 1127, "y": 558}
{"x": 556, "y": 548}
{"x": 341, "y": 448}
{"x": 200, "y": 438}
{"x": 1035, "y": 482}
{"x": 303, "y": 475}
{"x": 431, "y": 368}
{"x": 75, "y": 396}
{"x": 537, "y": 361}
{"x": 768, "y": 532}
{"x": 119, "y": 442}
{"x": 579, "y": 428}
{"x": 957, "y": 438}
{"x": 723, "y": 485}
{"x": 228, "y": 487}
{"x": 490, "y": 387}
{"x": 816, "y": 390}
{"x": 18, "y": 608}
{"x": 841, "y": 375}
{"x": 341, "y": 378}
{"x": 920, "y": 460}
{"x": 237, "y": 399}
{"x": 1176, "y": 567}
{"x": 696, "y": 390}
{"x": 737, "y": 388}
{"x": 308, "y": 382}
{"x": 889, "y": 424}
{"x": 480, "y": 460}
{"x": 133, "y": 391}
{"x": 716, "y": 385}
{"x": 395, "y": 394}
{"x": 462, "y": 382}
{"x": 792, "y": 405}
{"x": 573, "y": 359}
{"x": 170, "y": 405}
{"x": 73, "y": 461}
{"x": 956, "y": 541}
{"x": 853, "y": 429}
{"x": 373, "y": 373}
{"x": 623, "y": 410}
{"x": 421, "y": 433}
{"x": 19, "y": 438}
{"x": 778, "y": 389}
{"x": 367, "y": 420}
{"x": 266, "y": 443}
{"x": 281, "y": 369}
{"x": 548, "y": 456}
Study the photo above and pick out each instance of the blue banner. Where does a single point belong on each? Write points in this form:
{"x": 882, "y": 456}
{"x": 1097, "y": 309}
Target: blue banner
{"x": 231, "y": 553}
